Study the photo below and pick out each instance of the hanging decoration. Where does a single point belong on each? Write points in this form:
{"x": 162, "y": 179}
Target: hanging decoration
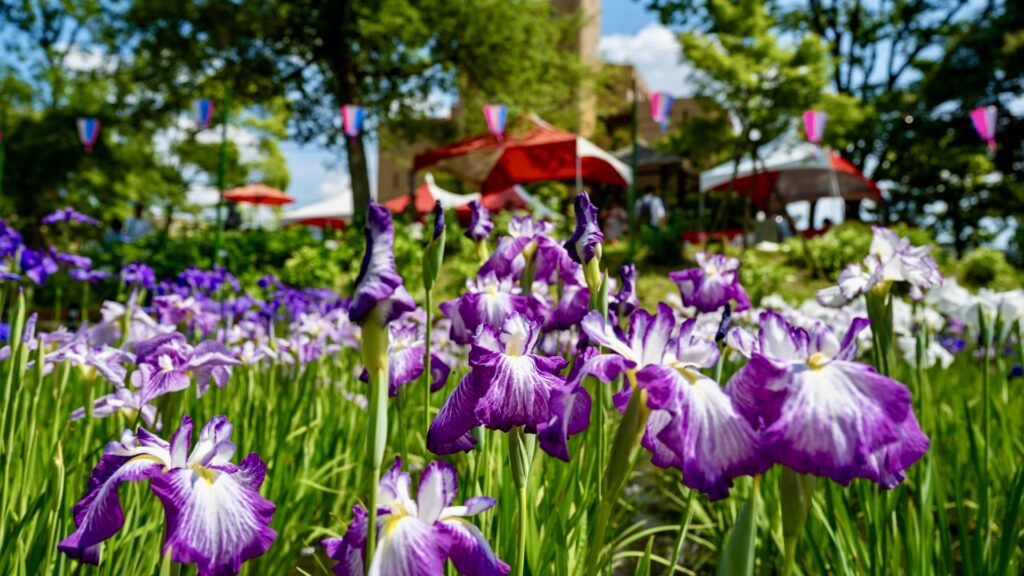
{"x": 814, "y": 125}
{"x": 984, "y": 120}
{"x": 496, "y": 115}
{"x": 352, "y": 119}
{"x": 202, "y": 108}
{"x": 661, "y": 109}
{"x": 88, "y": 132}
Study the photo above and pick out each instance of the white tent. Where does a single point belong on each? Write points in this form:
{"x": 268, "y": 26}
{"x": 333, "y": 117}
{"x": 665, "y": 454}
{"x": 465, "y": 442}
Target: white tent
{"x": 334, "y": 211}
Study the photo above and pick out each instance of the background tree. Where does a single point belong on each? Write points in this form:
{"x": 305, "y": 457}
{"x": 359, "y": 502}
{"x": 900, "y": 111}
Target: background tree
{"x": 389, "y": 56}
{"x": 906, "y": 72}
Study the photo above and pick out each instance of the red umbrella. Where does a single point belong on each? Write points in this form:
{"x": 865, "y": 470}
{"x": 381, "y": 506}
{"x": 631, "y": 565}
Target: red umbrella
{"x": 543, "y": 153}
{"x": 258, "y": 194}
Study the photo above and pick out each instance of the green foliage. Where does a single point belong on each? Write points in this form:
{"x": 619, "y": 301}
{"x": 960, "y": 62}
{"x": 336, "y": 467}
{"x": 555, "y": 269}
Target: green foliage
{"x": 987, "y": 268}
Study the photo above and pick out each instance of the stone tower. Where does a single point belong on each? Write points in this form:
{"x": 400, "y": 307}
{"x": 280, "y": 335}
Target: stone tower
{"x": 585, "y": 45}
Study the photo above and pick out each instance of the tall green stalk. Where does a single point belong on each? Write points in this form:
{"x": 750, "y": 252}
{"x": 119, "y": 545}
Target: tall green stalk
{"x": 520, "y": 454}
{"x": 375, "y": 348}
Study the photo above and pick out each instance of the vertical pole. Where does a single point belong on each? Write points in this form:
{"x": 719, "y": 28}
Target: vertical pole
{"x": 220, "y": 174}
{"x": 633, "y": 228}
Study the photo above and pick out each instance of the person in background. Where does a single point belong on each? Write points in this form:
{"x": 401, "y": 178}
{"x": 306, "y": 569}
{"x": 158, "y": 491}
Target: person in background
{"x": 233, "y": 221}
{"x": 137, "y": 226}
{"x": 650, "y": 210}
{"x": 616, "y": 220}
{"x": 116, "y": 233}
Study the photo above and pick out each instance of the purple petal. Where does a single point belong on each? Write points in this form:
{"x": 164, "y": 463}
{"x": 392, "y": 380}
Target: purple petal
{"x": 350, "y": 550}
{"x": 98, "y": 514}
{"x": 215, "y": 519}
{"x": 585, "y": 242}
{"x": 438, "y": 486}
{"x": 450, "y": 430}
{"x": 469, "y": 550}
{"x": 378, "y": 283}
{"x": 408, "y": 545}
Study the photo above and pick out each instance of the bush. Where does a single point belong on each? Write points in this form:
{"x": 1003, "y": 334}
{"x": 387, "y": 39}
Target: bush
{"x": 987, "y": 268}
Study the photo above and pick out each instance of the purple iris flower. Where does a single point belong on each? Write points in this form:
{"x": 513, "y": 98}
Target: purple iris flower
{"x": 489, "y": 300}
{"x": 165, "y": 363}
{"x": 438, "y": 219}
{"x": 216, "y": 518}
{"x": 125, "y": 401}
{"x": 480, "y": 223}
{"x": 68, "y": 215}
{"x": 10, "y": 240}
{"x": 574, "y": 300}
{"x": 90, "y": 276}
{"x": 821, "y": 412}
{"x": 508, "y": 385}
{"x": 891, "y": 259}
{"x": 105, "y": 361}
{"x": 138, "y": 274}
{"x": 37, "y": 265}
{"x": 585, "y": 242}
{"x": 417, "y": 537}
{"x": 69, "y": 259}
{"x": 570, "y": 410}
{"x": 693, "y": 425}
{"x": 713, "y": 283}
{"x": 378, "y": 286}
{"x": 406, "y": 349}
{"x": 625, "y": 300}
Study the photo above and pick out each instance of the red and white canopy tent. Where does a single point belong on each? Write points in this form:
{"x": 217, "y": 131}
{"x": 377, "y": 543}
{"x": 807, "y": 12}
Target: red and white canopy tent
{"x": 427, "y": 194}
{"x": 792, "y": 174}
{"x": 259, "y": 194}
{"x": 543, "y": 153}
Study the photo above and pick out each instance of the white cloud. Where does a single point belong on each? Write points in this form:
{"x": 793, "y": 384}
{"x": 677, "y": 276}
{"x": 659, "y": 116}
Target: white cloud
{"x": 656, "y": 52}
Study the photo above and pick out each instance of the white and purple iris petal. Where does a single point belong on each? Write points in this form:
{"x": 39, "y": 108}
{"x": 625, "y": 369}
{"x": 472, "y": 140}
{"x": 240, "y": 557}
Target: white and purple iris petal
{"x": 211, "y": 360}
{"x": 695, "y": 428}
{"x": 215, "y": 516}
{"x": 406, "y": 349}
{"x": 585, "y": 242}
{"x": 378, "y": 286}
{"x": 480, "y": 223}
{"x": 625, "y": 300}
{"x": 714, "y": 283}
{"x": 519, "y": 382}
{"x": 417, "y": 537}
{"x": 822, "y": 413}
{"x": 570, "y": 410}
{"x": 646, "y": 343}
{"x": 490, "y": 301}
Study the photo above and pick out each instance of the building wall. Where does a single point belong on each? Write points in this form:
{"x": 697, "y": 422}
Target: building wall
{"x": 585, "y": 45}
{"x": 394, "y": 165}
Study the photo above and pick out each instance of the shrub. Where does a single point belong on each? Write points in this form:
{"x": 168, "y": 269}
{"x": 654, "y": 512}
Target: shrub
{"x": 987, "y": 268}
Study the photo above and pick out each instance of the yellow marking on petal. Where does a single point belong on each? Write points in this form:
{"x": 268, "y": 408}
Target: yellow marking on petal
{"x": 690, "y": 374}
{"x": 817, "y": 361}
{"x": 204, "y": 473}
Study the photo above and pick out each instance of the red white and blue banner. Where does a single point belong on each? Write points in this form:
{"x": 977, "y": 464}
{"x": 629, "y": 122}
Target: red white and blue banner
{"x": 814, "y": 125}
{"x": 88, "y": 132}
{"x": 984, "y": 120}
{"x": 496, "y": 115}
{"x": 352, "y": 117}
{"x": 202, "y": 109}
{"x": 661, "y": 109}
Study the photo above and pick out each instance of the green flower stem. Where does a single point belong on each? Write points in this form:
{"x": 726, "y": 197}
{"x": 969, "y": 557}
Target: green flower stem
{"x": 618, "y": 467}
{"x": 986, "y": 402}
{"x": 797, "y": 493}
{"x": 375, "y": 347}
{"x": 427, "y": 377}
{"x": 520, "y": 454}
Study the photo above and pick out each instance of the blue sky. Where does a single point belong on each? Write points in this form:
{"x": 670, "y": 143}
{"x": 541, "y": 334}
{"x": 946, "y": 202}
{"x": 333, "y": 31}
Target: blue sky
{"x": 628, "y": 33}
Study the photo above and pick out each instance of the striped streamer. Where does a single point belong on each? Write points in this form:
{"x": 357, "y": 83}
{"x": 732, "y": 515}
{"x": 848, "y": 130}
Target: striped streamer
{"x": 88, "y": 132}
{"x": 352, "y": 119}
{"x": 661, "y": 108}
{"x": 984, "y": 120}
{"x": 814, "y": 125}
{"x": 496, "y": 115}
{"x": 202, "y": 108}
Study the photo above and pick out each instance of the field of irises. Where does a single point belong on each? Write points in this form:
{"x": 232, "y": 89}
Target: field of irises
{"x": 551, "y": 425}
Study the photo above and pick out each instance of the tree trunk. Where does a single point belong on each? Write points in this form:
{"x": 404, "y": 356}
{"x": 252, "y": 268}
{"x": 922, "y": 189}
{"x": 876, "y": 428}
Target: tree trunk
{"x": 360, "y": 178}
